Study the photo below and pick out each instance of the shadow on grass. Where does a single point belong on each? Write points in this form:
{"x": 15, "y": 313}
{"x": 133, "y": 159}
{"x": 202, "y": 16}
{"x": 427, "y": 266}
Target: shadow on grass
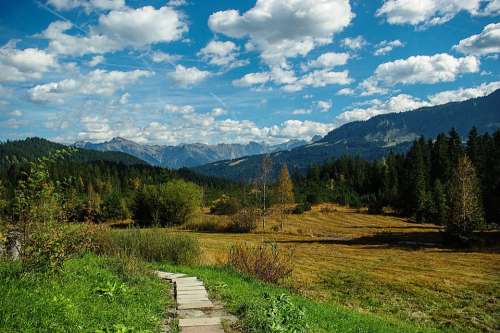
{"x": 489, "y": 241}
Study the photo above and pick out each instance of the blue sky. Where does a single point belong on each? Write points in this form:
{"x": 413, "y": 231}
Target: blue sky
{"x": 171, "y": 72}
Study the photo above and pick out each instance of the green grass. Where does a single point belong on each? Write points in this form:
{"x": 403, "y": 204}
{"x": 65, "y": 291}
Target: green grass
{"x": 90, "y": 293}
{"x": 237, "y": 292}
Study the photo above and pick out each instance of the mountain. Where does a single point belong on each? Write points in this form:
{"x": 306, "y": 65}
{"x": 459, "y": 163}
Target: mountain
{"x": 373, "y": 138}
{"x": 187, "y": 155}
{"x": 31, "y": 148}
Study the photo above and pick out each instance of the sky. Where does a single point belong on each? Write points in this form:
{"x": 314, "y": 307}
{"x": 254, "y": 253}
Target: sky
{"x": 213, "y": 71}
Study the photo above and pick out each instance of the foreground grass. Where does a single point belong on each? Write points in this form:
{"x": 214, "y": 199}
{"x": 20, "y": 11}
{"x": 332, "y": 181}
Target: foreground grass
{"x": 89, "y": 294}
{"x": 239, "y": 292}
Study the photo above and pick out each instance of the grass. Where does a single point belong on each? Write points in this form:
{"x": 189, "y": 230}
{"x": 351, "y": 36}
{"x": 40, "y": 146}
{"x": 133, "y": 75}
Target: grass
{"x": 90, "y": 293}
{"x": 239, "y": 292}
{"x": 382, "y": 265}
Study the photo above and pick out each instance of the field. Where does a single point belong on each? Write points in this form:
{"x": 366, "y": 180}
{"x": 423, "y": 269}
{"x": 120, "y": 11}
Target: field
{"x": 383, "y": 265}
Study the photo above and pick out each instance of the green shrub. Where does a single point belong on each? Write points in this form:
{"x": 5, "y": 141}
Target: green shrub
{"x": 265, "y": 262}
{"x": 153, "y": 245}
{"x": 114, "y": 207}
{"x": 274, "y": 314}
{"x": 172, "y": 203}
{"x": 302, "y": 208}
{"x": 244, "y": 221}
{"x": 225, "y": 205}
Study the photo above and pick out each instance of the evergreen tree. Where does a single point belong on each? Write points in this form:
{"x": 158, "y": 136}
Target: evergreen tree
{"x": 440, "y": 214}
{"x": 465, "y": 213}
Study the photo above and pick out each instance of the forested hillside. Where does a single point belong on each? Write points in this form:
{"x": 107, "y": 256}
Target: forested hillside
{"x": 373, "y": 138}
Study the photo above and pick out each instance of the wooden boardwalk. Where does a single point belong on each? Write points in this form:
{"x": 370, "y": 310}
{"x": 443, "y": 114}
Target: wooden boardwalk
{"x": 195, "y": 311}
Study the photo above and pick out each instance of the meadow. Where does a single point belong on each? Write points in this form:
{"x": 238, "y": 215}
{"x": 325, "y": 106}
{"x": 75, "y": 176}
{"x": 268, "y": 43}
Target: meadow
{"x": 382, "y": 265}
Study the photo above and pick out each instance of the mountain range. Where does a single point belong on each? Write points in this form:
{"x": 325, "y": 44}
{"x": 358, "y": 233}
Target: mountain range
{"x": 372, "y": 138}
{"x": 188, "y": 155}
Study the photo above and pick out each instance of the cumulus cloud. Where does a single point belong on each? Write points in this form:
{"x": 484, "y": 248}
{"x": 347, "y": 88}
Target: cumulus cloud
{"x": 97, "y": 83}
{"x": 324, "y": 106}
{"x": 345, "y": 92}
{"x": 432, "y": 12}
{"x": 301, "y": 111}
{"x": 159, "y": 56}
{"x": 96, "y": 60}
{"x": 399, "y": 103}
{"x": 319, "y": 78}
{"x": 387, "y": 46}
{"x": 284, "y": 29}
{"x": 217, "y": 112}
{"x": 463, "y": 94}
{"x": 419, "y": 69}
{"x": 405, "y": 102}
{"x": 221, "y": 54}
{"x": 327, "y": 60}
{"x": 252, "y": 79}
{"x": 26, "y": 64}
{"x": 188, "y": 76}
{"x": 118, "y": 29}
{"x": 87, "y": 5}
{"x": 486, "y": 42}
{"x": 184, "y": 109}
{"x": 354, "y": 43}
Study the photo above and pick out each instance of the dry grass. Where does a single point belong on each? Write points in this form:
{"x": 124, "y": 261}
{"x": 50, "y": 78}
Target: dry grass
{"x": 385, "y": 265}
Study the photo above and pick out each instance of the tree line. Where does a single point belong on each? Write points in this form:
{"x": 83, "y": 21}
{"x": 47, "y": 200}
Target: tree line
{"x": 423, "y": 183}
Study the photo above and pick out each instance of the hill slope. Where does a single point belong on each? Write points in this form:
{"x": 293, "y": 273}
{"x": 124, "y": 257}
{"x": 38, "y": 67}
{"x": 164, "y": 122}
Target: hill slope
{"x": 187, "y": 155}
{"x": 31, "y": 148}
{"x": 373, "y": 138}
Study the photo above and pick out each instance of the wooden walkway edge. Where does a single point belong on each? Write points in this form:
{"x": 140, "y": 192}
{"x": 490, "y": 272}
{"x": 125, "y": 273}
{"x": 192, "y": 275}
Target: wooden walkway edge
{"x": 195, "y": 311}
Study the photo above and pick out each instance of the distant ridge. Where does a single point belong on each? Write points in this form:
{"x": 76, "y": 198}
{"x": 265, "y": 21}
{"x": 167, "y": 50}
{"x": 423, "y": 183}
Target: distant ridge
{"x": 187, "y": 155}
{"x": 373, "y": 138}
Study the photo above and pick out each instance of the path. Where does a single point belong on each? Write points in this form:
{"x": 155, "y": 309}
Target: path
{"x": 195, "y": 311}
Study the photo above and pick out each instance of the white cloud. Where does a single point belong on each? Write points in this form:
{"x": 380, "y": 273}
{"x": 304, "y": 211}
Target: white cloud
{"x": 221, "y": 53}
{"x": 177, "y": 3}
{"x": 487, "y": 42}
{"x": 96, "y": 60}
{"x": 22, "y": 65}
{"x": 433, "y": 12}
{"x": 87, "y": 5}
{"x": 188, "y": 76}
{"x": 327, "y": 60}
{"x": 16, "y": 113}
{"x": 301, "y": 111}
{"x": 354, "y": 43}
{"x": 252, "y": 79}
{"x": 399, "y": 103}
{"x": 124, "y": 98}
{"x": 284, "y": 29}
{"x": 419, "y": 69}
{"x": 319, "y": 78}
{"x": 387, "y": 46}
{"x": 463, "y": 94}
{"x": 324, "y": 106}
{"x": 217, "y": 112}
{"x": 117, "y": 30}
{"x": 184, "y": 109}
{"x": 164, "y": 57}
{"x": 404, "y": 102}
{"x": 98, "y": 82}
{"x": 345, "y": 92}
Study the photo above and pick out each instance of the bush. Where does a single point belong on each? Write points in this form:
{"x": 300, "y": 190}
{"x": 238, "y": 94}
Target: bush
{"x": 274, "y": 314}
{"x": 153, "y": 245}
{"x": 225, "y": 205}
{"x": 265, "y": 262}
{"x": 167, "y": 204}
{"x": 302, "y": 208}
{"x": 114, "y": 207}
{"x": 244, "y": 221}
{"x": 207, "y": 224}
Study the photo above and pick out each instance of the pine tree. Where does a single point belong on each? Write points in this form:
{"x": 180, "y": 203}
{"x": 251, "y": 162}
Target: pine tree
{"x": 283, "y": 193}
{"x": 465, "y": 210}
{"x": 440, "y": 204}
